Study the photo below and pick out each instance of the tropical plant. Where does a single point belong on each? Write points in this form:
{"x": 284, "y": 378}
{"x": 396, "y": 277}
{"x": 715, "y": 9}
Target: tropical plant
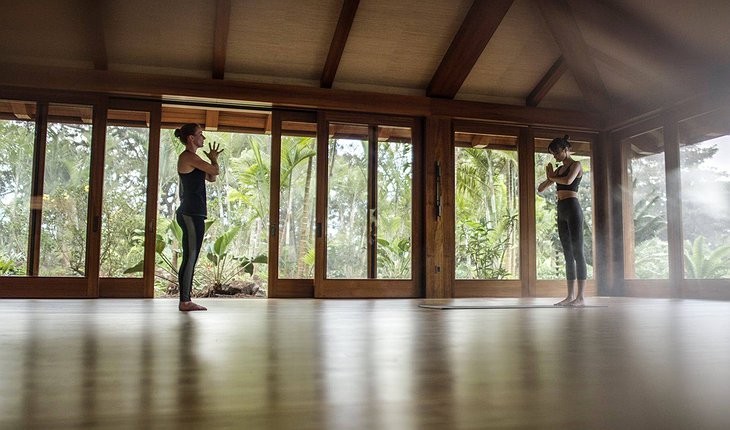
{"x": 8, "y": 267}
{"x": 486, "y": 211}
{"x": 391, "y": 261}
{"x": 224, "y": 266}
{"x": 700, "y": 262}
{"x": 485, "y": 246}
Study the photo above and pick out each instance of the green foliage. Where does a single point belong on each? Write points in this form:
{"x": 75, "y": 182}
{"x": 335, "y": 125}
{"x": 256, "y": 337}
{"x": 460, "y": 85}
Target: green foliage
{"x": 8, "y": 267}
{"x": 485, "y": 246}
{"x": 391, "y": 261}
{"x": 700, "y": 262}
{"x": 487, "y": 205}
{"x": 222, "y": 268}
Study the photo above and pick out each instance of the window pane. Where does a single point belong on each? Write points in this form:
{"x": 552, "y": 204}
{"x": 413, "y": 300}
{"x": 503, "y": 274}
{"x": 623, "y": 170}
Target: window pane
{"x": 550, "y": 260}
{"x": 704, "y": 159}
{"x": 125, "y": 193}
{"x": 646, "y": 250}
{"x": 66, "y": 191}
{"x": 238, "y": 207}
{"x": 17, "y": 135}
{"x": 347, "y": 201}
{"x": 297, "y": 200}
{"x": 487, "y": 207}
{"x": 395, "y": 178}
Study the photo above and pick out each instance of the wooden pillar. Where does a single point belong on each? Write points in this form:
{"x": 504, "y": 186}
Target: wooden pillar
{"x": 674, "y": 205}
{"x": 616, "y": 166}
{"x": 528, "y": 234}
{"x": 602, "y": 228}
{"x": 439, "y": 208}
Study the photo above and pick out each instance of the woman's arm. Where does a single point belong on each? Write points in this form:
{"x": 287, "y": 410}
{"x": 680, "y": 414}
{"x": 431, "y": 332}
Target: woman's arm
{"x": 575, "y": 170}
{"x": 189, "y": 161}
{"x": 543, "y": 185}
{"x": 547, "y": 182}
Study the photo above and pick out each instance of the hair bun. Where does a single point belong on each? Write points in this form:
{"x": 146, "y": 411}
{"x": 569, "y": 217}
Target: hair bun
{"x": 566, "y": 137}
{"x": 178, "y": 132}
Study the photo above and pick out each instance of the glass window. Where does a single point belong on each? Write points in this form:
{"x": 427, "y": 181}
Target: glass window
{"x": 17, "y": 135}
{"x": 705, "y": 159}
{"x": 297, "y": 200}
{"x": 125, "y": 193}
{"x": 550, "y": 260}
{"x": 646, "y": 250}
{"x": 395, "y": 199}
{"x": 347, "y": 202}
{"x": 66, "y": 191}
{"x": 487, "y": 207}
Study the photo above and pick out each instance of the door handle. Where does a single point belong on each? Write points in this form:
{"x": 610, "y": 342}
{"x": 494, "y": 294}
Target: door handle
{"x": 373, "y": 226}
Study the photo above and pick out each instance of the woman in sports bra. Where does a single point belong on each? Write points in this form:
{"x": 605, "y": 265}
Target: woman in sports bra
{"x": 191, "y": 214}
{"x": 567, "y": 179}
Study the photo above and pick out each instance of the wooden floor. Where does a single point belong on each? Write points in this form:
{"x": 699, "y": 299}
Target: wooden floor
{"x": 364, "y": 364}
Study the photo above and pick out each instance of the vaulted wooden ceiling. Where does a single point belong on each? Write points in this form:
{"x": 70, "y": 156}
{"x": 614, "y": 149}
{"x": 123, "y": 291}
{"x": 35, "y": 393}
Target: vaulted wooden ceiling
{"x": 597, "y": 55}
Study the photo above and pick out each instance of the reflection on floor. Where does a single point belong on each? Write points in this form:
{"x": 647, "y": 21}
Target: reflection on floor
{"x": 364, "y": 364}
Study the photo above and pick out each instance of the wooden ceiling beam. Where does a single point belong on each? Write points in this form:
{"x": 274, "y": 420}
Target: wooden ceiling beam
{"x": 567, "y": 35}
{"x": 476, "y": 30}
{"x": 542, "y": 88}
{"x": 267, "y": 127}
{"x": 86, "y": 115}
{"x": 41, "y": 79}
{"x": 20, "y": 110}
{"x": 479, "y": 141}
{"x": 211, "y": 120}
{"x": 339, "y": 40}
{"x": 220, "y": 37}
{"x": 94, "y": 18}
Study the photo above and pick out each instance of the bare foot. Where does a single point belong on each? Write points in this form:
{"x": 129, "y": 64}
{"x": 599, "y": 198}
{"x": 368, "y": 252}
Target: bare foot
{"x": 564, "y": 302}
{"x": 578, "y": 302}
{"x": 190, "y": 306}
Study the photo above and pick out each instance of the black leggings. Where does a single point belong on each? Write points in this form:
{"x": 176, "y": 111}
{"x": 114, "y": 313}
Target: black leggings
{"x": 193, "y": 228}
{"x": 570, "y": 230}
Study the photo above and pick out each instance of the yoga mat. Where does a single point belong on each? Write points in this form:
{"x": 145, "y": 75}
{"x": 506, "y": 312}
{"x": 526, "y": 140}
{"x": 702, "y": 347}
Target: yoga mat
{"x": 444, "y": 307}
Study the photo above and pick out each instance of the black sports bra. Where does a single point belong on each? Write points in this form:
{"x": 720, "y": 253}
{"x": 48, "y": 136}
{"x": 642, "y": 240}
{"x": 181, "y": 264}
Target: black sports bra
{"x": 573, "y": 186}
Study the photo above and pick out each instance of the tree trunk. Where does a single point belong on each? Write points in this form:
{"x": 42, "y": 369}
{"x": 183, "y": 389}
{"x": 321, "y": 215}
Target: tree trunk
{"x": 304, "y": 225}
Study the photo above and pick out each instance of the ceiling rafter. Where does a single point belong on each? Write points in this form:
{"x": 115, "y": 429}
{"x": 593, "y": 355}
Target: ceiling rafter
{"x": 476, "y": 30}
{"x": 576, "y": 53}
{"x": 220, "y": 37}
{"x": 95, "y": 33}
{"x": 211, "y": 120}
{"x": 339, "y": 40}
{"x": 267, "y": 127}
{"x": 553, "y": 75}
{"x": 20, "y": 110}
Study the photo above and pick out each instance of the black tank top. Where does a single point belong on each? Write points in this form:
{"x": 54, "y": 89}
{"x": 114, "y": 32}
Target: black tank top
{"x": 573, "y": 186}
{"x": 192, "y": 193}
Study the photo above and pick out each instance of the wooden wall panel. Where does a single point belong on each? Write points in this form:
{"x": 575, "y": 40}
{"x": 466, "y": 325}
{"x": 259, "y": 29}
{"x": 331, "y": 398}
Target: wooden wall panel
{"x": 439, "y": 224}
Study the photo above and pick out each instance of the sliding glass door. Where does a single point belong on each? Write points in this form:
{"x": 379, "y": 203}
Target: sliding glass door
{"x": 368, "y": 207}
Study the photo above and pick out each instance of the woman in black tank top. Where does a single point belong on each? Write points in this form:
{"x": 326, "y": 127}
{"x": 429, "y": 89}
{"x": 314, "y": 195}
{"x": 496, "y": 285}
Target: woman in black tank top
{"x": 191, "y": 214}
{"x": 567, "y": 178}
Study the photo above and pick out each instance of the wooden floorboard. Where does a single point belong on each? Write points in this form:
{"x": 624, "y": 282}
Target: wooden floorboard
{"x": 363, "y": 364}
